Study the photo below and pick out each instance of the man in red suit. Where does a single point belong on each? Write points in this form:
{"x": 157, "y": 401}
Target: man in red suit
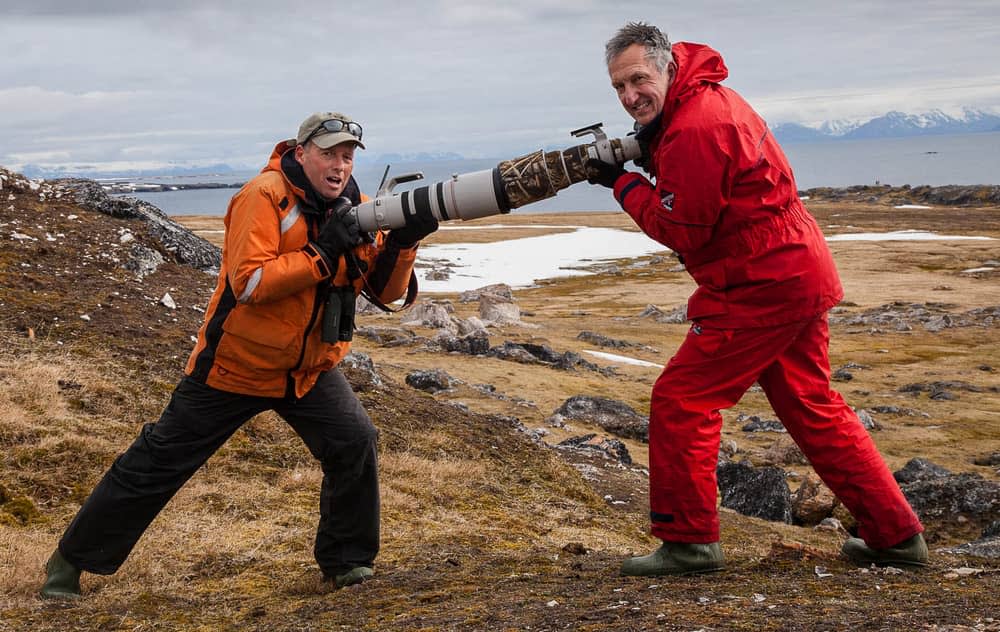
{"x": 723, "y": 197}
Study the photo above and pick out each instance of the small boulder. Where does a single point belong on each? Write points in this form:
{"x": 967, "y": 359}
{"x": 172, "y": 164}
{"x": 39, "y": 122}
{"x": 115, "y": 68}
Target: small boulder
{"x": 761, "y": 492}
{"x": 432, "y": 381}
{"x": 610, "y": 415}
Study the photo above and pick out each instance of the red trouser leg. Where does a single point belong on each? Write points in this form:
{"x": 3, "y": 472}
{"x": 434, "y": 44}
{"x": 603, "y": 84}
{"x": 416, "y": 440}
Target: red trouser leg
{"x": 710, "y": 372}
{"x": 839, "y": 448}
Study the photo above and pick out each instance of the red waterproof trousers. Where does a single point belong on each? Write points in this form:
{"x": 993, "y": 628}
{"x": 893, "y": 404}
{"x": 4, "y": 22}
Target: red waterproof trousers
{"x": 710, "y": 372}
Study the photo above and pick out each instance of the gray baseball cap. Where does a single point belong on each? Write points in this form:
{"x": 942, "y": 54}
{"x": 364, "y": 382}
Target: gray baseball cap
{"x": 327, "y": 129}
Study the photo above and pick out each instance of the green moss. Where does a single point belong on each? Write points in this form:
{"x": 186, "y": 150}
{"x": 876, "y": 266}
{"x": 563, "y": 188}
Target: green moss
{"x": 20, "y": 511}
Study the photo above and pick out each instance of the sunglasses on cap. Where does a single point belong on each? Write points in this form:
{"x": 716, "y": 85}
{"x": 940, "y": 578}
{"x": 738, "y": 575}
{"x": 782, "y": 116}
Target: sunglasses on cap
{"x": 336, "y": 125}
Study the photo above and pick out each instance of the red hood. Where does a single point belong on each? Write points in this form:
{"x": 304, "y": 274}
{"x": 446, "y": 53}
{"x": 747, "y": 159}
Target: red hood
{"x": 696, "y": 64}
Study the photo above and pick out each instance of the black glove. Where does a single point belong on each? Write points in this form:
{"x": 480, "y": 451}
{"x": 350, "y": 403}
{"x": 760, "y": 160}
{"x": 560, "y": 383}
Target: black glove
{"x": 600, "y": 172}
{"x": 339, "y": 234}
{"x": 418, "y": 226}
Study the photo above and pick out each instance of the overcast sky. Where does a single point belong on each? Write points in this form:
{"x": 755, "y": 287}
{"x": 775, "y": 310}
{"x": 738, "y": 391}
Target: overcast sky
{"x": 140, "y": 82}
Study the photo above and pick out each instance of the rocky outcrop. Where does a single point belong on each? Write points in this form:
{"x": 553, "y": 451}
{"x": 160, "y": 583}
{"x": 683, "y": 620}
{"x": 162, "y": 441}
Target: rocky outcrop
{"x": 949, "y": 502}
{"x": 611, "y": 415}
{"x": 948, "y": 195}
{"x": 675, "y": 316}
{"x": 988, "y": 544}
{"x": 530, "y": 353}
{"x": 902, "y": 316}
{"x": 185, "y": 246}
{"x": 761, "y": 492}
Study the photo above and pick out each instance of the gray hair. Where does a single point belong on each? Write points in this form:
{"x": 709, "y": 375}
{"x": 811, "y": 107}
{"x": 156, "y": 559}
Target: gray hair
{"x": 654, "y": 40}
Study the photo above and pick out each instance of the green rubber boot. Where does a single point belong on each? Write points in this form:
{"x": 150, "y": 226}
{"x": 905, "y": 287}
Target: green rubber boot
{"x": 911, "y": 552}
{"x": 356, "y": 575}
{"x": 677, "y": 558}
{"x": 62, "y": 579}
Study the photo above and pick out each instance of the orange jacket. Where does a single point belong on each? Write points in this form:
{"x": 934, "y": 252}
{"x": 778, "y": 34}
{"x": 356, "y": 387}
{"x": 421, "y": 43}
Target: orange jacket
{"x": 262, "y": 329}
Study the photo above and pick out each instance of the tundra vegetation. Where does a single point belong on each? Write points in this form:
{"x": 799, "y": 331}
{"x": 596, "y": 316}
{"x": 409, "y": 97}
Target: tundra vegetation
{"x": 486, "y": 524}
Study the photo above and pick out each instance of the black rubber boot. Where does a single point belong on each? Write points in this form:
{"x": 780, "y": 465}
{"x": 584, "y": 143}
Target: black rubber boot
{"x": 677, "y": 558}
{"x": 62, "y": 579}
{"x": 910, "y": 552}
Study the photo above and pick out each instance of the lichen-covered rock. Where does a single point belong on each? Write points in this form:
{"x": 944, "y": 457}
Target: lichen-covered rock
{"x": 608, "y": 448}
{"x": 432, "y": 381}
{"x": 919, "y": 469}
{"x": 185, "y": 246}
{"x": 611, "y": 415}
{"x": 360, "y": 372}
{"x": 761, "y": 492}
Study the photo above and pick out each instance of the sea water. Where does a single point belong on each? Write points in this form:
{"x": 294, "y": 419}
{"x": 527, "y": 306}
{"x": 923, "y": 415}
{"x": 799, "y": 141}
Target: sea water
{"x": 921, "y": 160}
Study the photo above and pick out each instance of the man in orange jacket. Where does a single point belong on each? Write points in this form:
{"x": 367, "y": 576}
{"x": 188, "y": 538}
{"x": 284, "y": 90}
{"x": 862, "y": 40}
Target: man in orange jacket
{"x": 725, "y": 201}
{"x": 279, "y": 321}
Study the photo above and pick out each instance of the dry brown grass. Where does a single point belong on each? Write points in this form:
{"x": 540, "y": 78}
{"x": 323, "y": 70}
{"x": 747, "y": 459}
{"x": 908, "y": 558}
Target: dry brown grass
{"x": 475, "y": 516}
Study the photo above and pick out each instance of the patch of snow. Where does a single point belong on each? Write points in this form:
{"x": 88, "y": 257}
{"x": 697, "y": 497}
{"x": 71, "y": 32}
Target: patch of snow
{"x": 903, "y": 235}
{"x": 621, "y": 359}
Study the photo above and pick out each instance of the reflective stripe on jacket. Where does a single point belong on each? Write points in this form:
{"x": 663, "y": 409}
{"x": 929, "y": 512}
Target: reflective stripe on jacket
{"x": 725, "y": 200}
{"x": 262, "y": 329}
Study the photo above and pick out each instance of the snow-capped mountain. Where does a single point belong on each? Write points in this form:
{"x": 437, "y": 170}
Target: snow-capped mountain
{"x": 891, "y": 125}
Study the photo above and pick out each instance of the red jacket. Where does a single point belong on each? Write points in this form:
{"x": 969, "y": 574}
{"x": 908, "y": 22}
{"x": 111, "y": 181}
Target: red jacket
{"x": 262, "y": 329}
{"x": 725, "y": 200}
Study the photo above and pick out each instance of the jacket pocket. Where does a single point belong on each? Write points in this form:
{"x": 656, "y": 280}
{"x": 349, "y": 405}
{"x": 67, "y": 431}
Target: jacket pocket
{"x": 259, "y": 340}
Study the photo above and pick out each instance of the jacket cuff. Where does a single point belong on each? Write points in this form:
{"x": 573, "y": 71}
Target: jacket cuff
{"x": 326, "y": 267}
{"x": 626, "y": 184}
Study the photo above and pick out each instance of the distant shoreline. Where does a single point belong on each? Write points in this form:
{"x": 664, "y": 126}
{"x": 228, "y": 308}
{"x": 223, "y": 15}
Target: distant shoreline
{"x": 124, "y": 188}
{"x": 946, "y": 195}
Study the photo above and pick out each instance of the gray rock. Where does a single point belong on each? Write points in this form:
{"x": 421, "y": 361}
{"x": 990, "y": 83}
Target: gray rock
{"x": 949, "y": 497}
{"x": 988, "y": 459}
{"x": 143, "y": 261}
{"x": 898, "y": 410}
{"x": 514, "y": 352}
{"x": 603, "y": 341}
{"x": 987, "y": 546}
{"x": 676, "y": 316}
{"x": 755, "y": 424}
{"x": 919, "y": 469}
{"x": 498, "y": 310}
{"x": 389, "y": 336}
{"x": 867, "y": 420}
{"x": 611, "y": 415}
{"x": 842, "y": 375}
{"x": 530, "y": 353}
{"x": 608, "y": 448}
{"x": 433, "y": 381}
{"x": 476, "y": 343}
{"x": 433, "y": 314}
{"x": 470, "y": 325}
{"x": 360, "y": 372}
{"x": 501, "y": 290}
{"x": 759, "y": 492}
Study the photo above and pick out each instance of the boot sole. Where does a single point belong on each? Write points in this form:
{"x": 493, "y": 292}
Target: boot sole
{"x": 678, "y": 573}
{"x": 895, "y": 563}
{"x": 59, "y": 596}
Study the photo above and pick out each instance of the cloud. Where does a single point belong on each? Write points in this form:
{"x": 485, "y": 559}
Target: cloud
{"x": 219, "y": 81}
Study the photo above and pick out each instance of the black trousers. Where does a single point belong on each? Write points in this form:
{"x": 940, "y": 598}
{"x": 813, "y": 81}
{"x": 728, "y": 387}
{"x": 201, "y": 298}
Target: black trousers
{"x": 196, "y": 422}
